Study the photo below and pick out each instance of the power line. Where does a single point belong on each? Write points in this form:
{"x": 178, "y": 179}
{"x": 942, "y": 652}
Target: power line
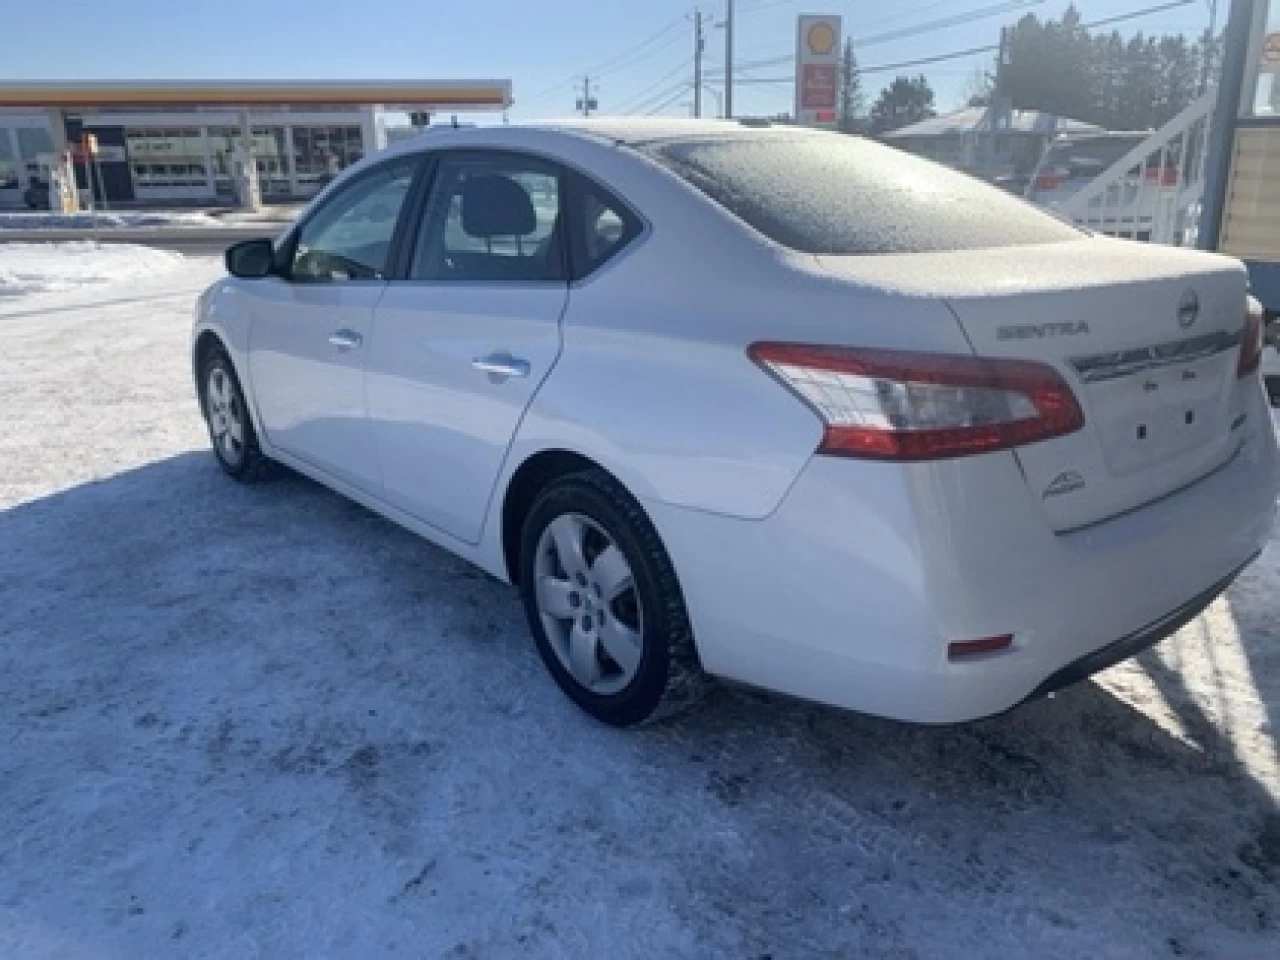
{"x": 930, "y": 26}
{"x": 628, "y": 57}
{"x": 644, "y": 95}
{"x": 638, "y": 53}
{"x": 987, "y": 48}
{"x": 670, "y": 100}
{"x": 648, "y": 103}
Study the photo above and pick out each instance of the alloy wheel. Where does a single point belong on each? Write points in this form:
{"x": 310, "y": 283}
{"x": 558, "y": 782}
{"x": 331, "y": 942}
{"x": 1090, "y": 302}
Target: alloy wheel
{"x": 226, "y": 416}
{"x": 588, "y": 603}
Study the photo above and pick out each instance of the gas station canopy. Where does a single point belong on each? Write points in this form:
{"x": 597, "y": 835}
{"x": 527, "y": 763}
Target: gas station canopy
{"x": 206, "y": 141}
{"x": 441, "y": 95}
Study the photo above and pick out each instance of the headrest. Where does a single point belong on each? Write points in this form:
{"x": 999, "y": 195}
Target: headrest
{"x": 496, "y": 206}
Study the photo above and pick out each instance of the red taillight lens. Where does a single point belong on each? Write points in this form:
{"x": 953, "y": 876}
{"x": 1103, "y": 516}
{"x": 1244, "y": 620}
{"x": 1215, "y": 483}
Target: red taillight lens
{"x": 1251, "y": 340}
{"x": 894, "y": 405}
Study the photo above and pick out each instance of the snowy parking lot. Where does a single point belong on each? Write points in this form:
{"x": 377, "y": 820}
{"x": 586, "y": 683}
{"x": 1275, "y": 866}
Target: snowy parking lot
{"x": 260, "y": 722}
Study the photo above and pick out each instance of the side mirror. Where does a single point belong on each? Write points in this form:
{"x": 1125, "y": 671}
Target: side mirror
{"x": 251, "y": 259}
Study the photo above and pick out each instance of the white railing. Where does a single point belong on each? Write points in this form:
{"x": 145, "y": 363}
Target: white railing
{"x": 1154, "y": 191}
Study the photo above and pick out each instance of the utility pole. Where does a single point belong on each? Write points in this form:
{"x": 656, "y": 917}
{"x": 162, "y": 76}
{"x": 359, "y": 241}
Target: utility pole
{"x": 728, "y": 61}
{"x": 586, "y": 104}
{"x": 698, "y": 44}
{"x": 1210, "y": 47}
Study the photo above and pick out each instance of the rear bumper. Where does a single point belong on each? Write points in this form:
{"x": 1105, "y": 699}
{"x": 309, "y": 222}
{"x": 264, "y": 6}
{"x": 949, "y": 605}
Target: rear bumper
{"x": 1136, "y": 642}
{"x": 851, "y": 591}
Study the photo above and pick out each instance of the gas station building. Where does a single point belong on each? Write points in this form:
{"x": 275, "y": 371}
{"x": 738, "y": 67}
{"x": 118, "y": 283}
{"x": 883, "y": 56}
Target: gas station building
{"x": 184, "y": 142}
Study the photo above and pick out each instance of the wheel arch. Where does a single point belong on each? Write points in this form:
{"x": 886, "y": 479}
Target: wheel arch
{"x": 207, "y": 341}
{"x": 535, "y": 473}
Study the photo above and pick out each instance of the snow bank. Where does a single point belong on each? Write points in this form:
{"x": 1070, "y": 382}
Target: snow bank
{"x": 31, "y": 268}
{"x": 75, "y": 221}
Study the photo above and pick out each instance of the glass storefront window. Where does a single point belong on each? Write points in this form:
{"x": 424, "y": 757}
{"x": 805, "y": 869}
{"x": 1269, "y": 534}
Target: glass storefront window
{"x": 167, "y": 157}
{"x": 223, "y": 143}
{"x": 271, "y": 157}
{"x": 33, "y": 141}
{"x": 8, "y": 163}
{"x": 1265, "y": 51}
{"x": 323, "y": 152}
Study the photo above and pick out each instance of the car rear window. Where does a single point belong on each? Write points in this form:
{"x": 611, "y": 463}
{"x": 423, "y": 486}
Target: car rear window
{"x": 832, "y": 194}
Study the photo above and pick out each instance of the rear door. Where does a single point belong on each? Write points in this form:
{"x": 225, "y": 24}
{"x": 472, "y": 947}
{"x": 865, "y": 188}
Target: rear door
{"x": 461, "y": 346}
{"x": 313, "y": 323}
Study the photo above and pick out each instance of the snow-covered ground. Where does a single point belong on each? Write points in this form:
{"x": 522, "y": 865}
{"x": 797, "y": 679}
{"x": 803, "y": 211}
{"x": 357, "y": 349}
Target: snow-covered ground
{"x": 31, "y": 268}
{"x": 45, "y": 220}
{"x": 258, "y": 722}
{"x": 135, "y": 219}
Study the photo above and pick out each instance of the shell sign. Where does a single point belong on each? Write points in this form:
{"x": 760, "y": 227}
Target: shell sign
{"x": 817, "y": 70}
{"x": 821, "y": 38}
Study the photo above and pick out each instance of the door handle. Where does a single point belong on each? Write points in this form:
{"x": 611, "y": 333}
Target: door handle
{"x": 502, "y": 366}
{"x": 345, "y": 340}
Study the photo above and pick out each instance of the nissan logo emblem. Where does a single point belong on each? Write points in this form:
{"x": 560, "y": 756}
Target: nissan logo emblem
{"x": 1188, "y": 309}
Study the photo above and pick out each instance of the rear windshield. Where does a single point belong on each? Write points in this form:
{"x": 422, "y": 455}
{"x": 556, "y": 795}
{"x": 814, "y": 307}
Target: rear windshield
{"x": 832, "y": 194}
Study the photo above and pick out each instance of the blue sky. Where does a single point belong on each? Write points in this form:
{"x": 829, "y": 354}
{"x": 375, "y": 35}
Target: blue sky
{"x": 638, "y": 52}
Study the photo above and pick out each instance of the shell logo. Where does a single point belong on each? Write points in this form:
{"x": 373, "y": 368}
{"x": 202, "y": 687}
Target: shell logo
{"x": 821, "y": 39}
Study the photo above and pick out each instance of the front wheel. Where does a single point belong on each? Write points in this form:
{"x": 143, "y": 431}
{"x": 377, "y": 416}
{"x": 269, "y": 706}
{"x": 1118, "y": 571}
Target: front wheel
{"x": 604, "y": 604}
{"x": 230, "y": 427}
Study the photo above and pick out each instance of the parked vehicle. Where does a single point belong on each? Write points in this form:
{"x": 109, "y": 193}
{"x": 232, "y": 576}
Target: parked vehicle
{"x": 36, "y": 195}
{"x": 1271, "y": 359}
{"x": 1073, "y": 161}
{"x": 785, "y": 407}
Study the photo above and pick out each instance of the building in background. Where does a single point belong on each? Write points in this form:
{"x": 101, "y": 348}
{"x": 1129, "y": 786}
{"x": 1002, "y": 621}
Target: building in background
{"x": 178, "y": 142}
{"x": 971, "y": 141}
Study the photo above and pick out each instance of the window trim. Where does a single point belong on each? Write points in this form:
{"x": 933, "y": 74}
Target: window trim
{"x": 435, "y": 158}
{"x": 635, "y": 226}
{"x": 285, "y": 252}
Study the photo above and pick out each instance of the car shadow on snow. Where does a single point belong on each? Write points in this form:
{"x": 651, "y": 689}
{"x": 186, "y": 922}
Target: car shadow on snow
{"x": 284, "y": 630}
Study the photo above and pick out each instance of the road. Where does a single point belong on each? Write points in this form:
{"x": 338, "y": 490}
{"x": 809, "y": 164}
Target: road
{"x": 193, "y": 241}
{"x": 261, "y": 722}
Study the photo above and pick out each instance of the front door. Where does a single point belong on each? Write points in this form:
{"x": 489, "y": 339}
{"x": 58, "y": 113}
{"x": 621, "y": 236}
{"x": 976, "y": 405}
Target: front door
{"x": 312, "y": 326}
{"x": 461, "y": 346}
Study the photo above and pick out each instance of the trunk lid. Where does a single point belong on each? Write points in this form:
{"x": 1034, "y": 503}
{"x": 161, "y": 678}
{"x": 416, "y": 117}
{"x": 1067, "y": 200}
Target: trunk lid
{"x": 1147, "y": 337}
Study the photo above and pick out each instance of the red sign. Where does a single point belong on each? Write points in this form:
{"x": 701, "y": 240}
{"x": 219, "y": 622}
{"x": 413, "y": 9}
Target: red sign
{"x": 818, "y": 86}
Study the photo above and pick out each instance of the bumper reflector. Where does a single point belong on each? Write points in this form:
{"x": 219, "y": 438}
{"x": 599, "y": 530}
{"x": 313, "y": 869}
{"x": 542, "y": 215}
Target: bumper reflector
{"x": 969, "y": 648}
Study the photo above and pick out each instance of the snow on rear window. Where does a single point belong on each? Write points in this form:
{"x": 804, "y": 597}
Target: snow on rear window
{"x": 825, "y": 193}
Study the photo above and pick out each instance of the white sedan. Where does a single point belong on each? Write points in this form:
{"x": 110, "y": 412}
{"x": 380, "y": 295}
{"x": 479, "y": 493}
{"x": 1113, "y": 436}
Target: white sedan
{"x": 787, "y": 408}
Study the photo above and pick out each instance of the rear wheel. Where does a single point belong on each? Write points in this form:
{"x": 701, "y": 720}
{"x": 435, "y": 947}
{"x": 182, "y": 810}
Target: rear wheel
{"x": 604, "y": 605}
{"x": 230, "y": 427}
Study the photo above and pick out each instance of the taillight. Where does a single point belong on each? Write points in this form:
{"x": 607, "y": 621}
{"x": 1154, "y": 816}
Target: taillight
{"x": 897, "y": 405}
{"x": 1251, "y": 340}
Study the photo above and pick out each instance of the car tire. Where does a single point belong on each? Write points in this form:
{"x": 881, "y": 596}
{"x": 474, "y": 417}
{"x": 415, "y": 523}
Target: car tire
{"x": 235, "y": 443}
{"x": 630, "y": 600}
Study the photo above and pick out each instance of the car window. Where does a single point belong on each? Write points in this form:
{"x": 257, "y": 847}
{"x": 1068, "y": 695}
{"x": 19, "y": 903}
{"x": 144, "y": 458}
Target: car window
{"x": 605, "y": 226}
{"x": 491, "y": 218}
{"x": 349, "y": 236}
{"x": 832, "y": 194}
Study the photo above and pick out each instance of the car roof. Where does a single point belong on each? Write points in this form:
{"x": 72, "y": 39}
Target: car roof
{"x": 626, "y": 130}
{"x": 641, "y": 129}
